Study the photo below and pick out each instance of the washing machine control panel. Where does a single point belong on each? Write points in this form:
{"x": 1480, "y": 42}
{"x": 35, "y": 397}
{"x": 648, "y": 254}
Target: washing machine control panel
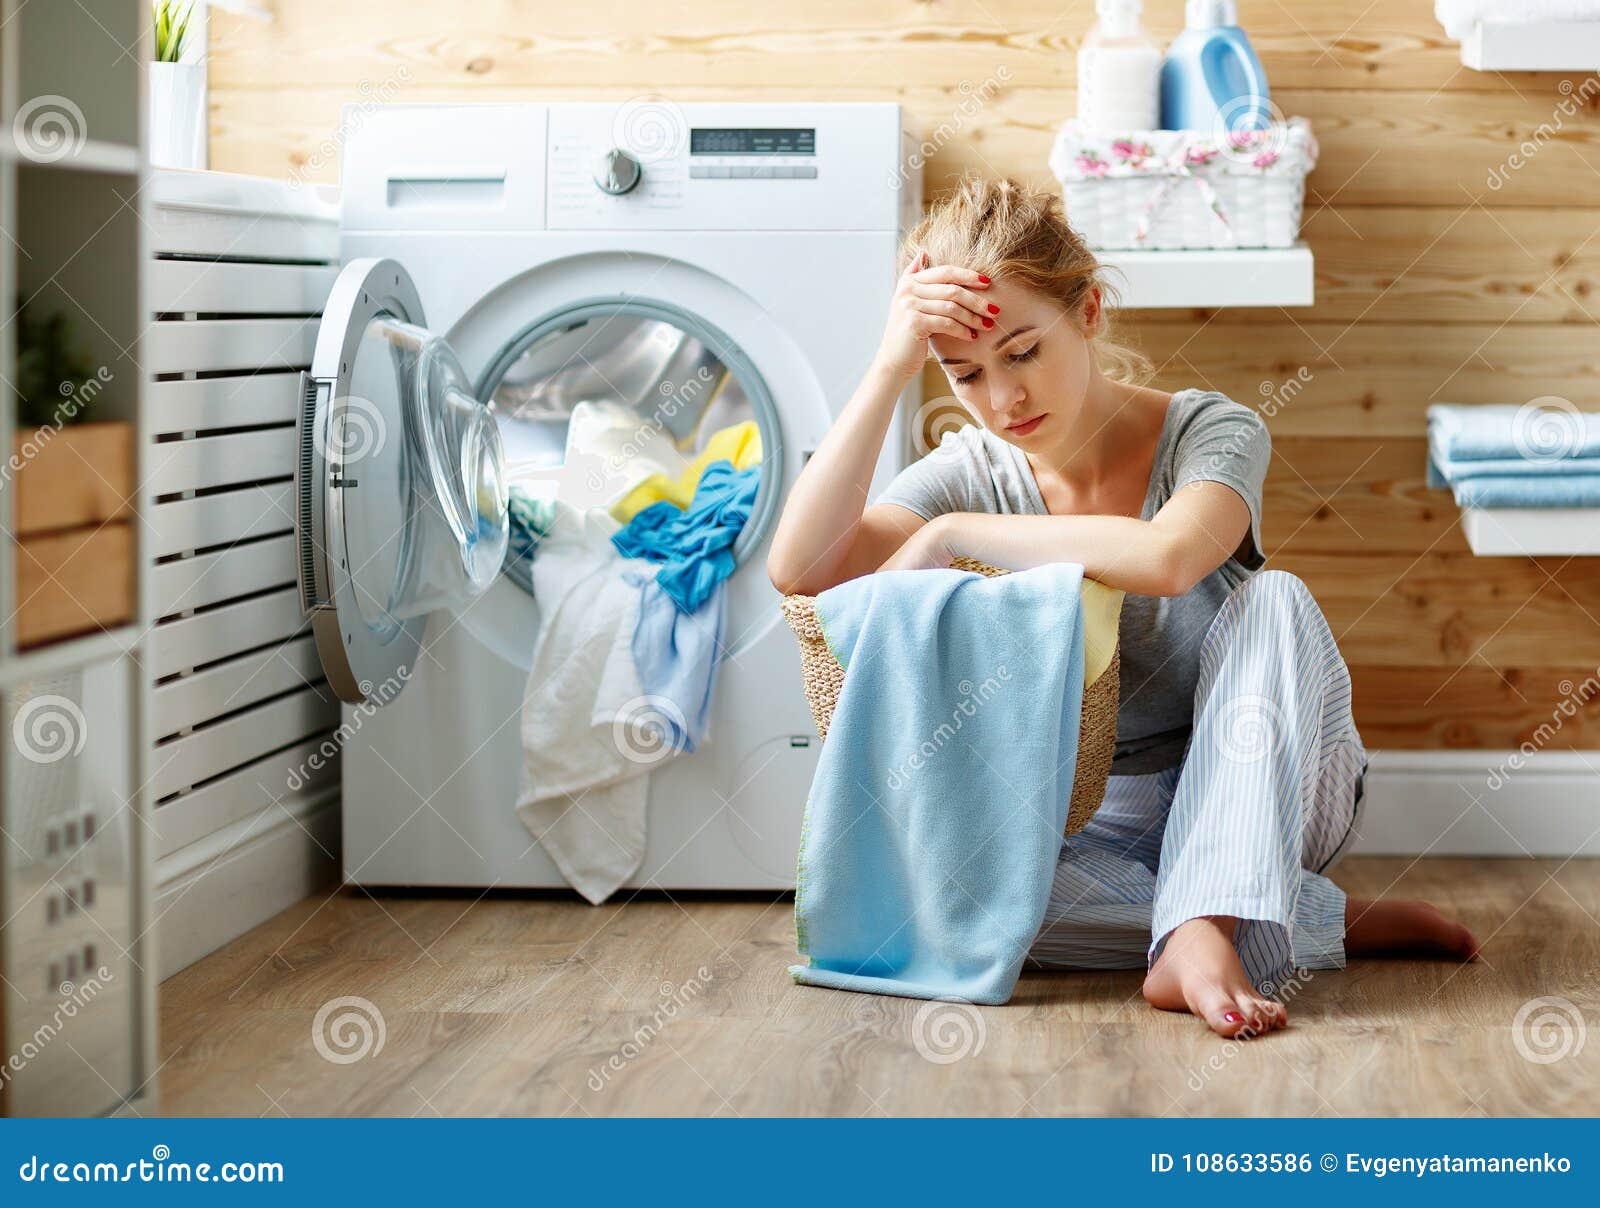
{"x": 655, "y": 164}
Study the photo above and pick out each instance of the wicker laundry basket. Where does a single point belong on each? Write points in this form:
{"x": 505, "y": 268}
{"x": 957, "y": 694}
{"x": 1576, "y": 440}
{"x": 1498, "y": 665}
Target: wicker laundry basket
{"x": 1097, "y": 732}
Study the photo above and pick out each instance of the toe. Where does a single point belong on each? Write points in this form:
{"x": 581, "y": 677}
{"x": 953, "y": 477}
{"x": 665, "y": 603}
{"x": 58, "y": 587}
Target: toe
{"x": 1228, "y": 1020}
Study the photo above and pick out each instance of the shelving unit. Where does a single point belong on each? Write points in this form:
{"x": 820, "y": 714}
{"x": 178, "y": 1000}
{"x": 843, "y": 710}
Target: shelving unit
{"x": 1531, "y": 532}
{"x": 1550, "y": 46}
{"x": 1213, "y": 278}
{"x": 74, "y": 892}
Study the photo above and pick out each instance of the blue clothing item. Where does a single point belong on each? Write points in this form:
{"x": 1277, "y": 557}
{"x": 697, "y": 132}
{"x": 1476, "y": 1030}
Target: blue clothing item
{"x": 529, "y": 522}
{"x": 1266, "y": 800}
{"x": 1515, "y": 457}
{"x": 1463, "y": 432}
{"x": 676, "y": 654}
{"x": 695, "y": 543}
{"x": 940, "y": 797}
{"x": 1555, "y": 491}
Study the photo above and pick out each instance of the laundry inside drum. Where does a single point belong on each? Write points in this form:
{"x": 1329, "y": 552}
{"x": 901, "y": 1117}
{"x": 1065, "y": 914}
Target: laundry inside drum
{"x": 598, "y": 410}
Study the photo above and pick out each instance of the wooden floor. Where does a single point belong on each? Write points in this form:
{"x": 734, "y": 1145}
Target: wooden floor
{"x": 666, "y": 1006}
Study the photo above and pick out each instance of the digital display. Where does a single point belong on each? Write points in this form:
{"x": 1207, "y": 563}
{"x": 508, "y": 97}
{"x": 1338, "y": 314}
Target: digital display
{"x": 796, "y": 140}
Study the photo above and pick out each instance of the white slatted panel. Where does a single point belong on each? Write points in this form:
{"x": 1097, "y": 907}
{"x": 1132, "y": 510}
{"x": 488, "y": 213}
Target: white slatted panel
{"x": 228, "y": 345}
{"x": 235, "y": 570}
{"x": 192, "y": 699}
{"x": 242, "y": 738}
{"x": 225, "y": 287}
{"x": 242, "y": 716}
{"x": 189, "y": 524}
{"x": 182, "y": 645}
{"x": 225, "y": 402}
{"x": 307, "y": 768}
{"x": 219, "y": 461}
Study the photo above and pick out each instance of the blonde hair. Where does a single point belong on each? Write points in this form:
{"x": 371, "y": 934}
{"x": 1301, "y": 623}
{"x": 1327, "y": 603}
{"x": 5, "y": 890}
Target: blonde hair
{"x": 1004, "y": 228}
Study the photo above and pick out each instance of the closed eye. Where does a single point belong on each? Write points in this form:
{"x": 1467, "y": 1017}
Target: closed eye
{"x": 1016, "y": 359}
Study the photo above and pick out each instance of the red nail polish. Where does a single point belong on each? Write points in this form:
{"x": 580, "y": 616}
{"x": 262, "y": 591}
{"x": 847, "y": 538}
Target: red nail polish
{"x": 974, "y": 335}
{"x": 983, "y": 279}
{"x": 988, "y": 322}
{"x": 993, "y": 309}
{"x": 1233, "y": 1017}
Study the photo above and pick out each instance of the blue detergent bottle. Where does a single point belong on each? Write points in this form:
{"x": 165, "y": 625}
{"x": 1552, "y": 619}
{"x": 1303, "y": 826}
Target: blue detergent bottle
{"x": 1211, "y": 79}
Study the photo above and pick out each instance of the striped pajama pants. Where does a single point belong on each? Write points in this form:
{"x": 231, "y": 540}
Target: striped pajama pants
{"x": 1265, "y": 800}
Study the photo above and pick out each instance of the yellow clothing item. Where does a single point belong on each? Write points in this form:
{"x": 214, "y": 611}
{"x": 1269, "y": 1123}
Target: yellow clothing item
{"x": 737, "y": 443}
{"x": 1102, "y": 612}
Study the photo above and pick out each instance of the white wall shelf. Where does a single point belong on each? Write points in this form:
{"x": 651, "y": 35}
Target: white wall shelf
{"x": 1213, "y": 277}
{"x": 1550, "y": 46}
{"x": 1532, "y": 532}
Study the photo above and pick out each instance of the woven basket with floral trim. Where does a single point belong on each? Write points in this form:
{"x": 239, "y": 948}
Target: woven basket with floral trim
{"x": 1097, "y": 733}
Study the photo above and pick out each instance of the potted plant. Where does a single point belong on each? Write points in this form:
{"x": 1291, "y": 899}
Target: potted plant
{"x": 72, "y": 486}
{"x": 177, "y": 91}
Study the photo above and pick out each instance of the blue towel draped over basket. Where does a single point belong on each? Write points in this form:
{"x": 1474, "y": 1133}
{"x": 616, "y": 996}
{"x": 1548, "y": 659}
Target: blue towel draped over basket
{"x": 940, "y": 797}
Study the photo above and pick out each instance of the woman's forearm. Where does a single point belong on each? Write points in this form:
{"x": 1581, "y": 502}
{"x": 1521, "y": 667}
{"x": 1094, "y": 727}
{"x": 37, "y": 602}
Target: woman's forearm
{"x": 1120, "y": 551}
{"x": 825, "y": 504}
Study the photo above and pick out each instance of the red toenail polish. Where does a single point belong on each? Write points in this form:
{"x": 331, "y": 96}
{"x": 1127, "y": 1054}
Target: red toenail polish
{"x": 1233, "y": 1017}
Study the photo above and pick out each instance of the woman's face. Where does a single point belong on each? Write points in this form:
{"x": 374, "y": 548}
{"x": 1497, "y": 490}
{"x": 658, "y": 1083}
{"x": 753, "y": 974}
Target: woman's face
{"x": 1025, "y": 378}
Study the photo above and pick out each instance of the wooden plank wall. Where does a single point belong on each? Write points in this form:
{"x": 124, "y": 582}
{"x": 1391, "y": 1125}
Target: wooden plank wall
{"x": 1432, "y": 284}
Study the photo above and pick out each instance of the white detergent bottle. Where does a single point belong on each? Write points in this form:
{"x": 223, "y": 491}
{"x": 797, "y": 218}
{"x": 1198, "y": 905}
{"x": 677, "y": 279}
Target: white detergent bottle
{"x": 1211, "y": 79}
{"x": 1119, "y": 71}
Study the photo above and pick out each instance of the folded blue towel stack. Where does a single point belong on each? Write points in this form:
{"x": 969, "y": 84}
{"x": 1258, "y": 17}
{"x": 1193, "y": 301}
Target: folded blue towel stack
{"x": 936, "y": 813}
{"x": 1542, "y": 455}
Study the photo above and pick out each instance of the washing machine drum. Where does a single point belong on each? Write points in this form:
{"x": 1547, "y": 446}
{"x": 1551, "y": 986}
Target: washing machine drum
{"x": 401, "y": 485}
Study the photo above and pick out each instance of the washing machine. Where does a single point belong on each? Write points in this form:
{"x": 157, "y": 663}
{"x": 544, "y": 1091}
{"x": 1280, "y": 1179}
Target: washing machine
{"x": 503, "y": 264}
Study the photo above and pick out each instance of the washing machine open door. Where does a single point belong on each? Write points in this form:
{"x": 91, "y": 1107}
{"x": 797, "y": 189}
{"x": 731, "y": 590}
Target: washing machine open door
{"x": 400, "y": 486}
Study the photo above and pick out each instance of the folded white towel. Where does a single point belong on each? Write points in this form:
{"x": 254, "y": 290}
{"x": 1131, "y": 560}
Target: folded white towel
{"x": 1460, "y": 16}
{"x": 585, "y": 764}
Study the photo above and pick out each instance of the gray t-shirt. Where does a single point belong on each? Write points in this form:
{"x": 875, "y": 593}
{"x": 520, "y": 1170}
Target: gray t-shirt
{"x": 1206, "y": 436}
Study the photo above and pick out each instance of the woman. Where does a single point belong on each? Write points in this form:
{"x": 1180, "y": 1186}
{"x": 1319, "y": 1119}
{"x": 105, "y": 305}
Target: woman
{"x": 1238, "y": 768}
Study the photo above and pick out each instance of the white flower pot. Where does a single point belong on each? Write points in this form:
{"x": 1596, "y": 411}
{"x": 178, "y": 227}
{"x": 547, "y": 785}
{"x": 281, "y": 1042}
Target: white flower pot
{"x": 178, "y": 115}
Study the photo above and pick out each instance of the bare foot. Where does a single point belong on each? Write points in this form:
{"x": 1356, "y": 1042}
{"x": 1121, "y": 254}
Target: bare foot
{"x": 1199, "y": 971}
{"x": 1407, "y": 928}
